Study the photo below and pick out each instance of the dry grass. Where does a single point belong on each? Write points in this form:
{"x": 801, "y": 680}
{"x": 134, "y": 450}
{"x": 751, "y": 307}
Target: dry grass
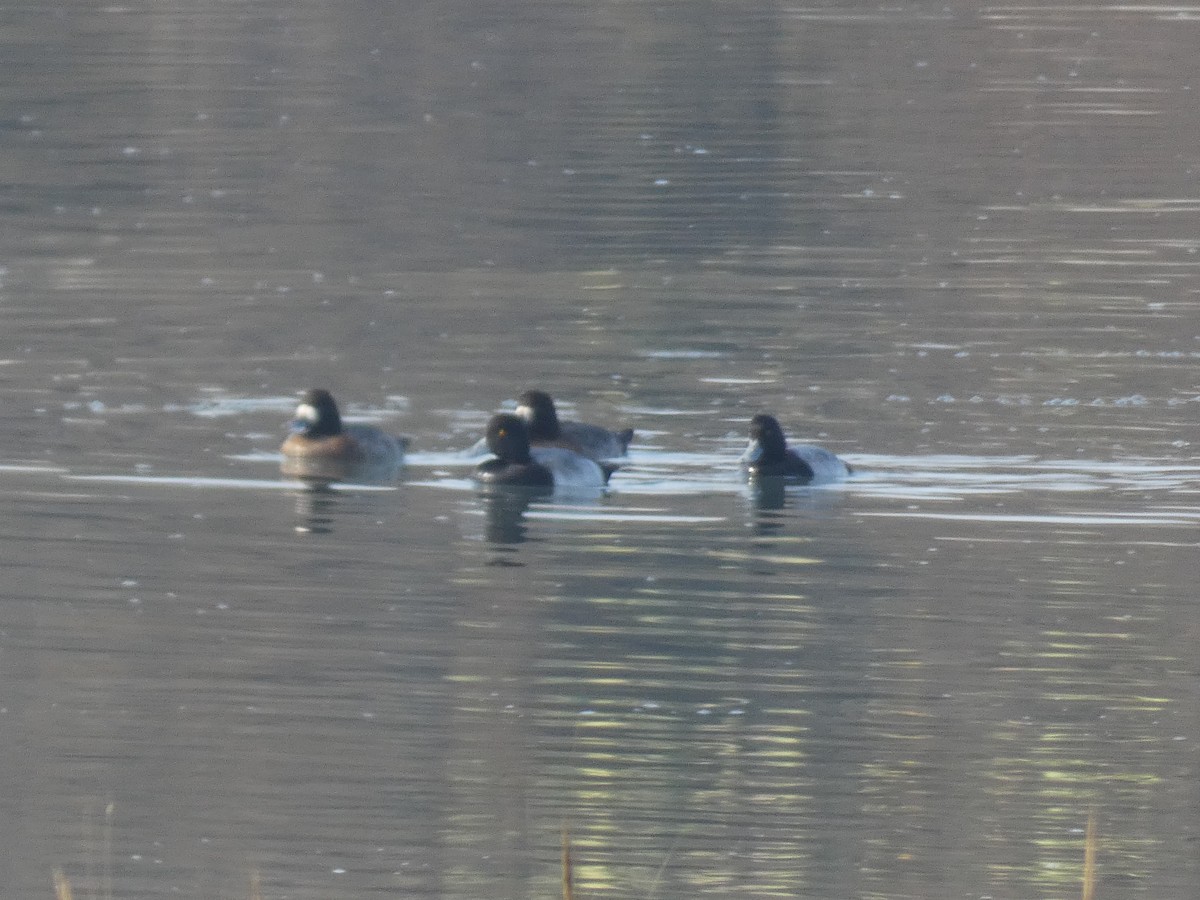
{"x": 1089, "y": 859}
{"x": 568, "y": 888}
{"x": 62, "y": 886}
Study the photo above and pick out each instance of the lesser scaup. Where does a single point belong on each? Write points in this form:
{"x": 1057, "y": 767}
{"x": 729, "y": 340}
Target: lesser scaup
{"x": 768, "y": 456}
{"x": 319, "y": 437}
{"x": 515, "y": 463}
{"x": 547, "y": 430}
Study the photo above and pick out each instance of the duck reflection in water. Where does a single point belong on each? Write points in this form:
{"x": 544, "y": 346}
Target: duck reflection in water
{"x": 315, "y": 507}
{"x": 768, "y": 493}
{"x": 321, "y": 473}
{"x": 773, "y": 507}
{"x": 505, "y": 526}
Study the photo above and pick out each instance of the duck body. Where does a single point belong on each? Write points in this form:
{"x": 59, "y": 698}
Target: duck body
{"x": 514, "y": 474}
{"x": 547, "y": 430}
{"x": 571, "y": 469}
{"x": 355, "y": 443}
{"x": 319, "y": 439}
{"x": 769, "y": 456}
{"x": 515, "y": 463}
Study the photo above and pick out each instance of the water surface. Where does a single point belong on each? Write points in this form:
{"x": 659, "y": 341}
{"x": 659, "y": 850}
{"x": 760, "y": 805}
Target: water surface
{"x": 955, "y": 245}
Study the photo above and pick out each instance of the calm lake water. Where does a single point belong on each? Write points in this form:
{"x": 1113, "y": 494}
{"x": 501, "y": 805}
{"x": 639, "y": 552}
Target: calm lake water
{"x": 957, "y": 244}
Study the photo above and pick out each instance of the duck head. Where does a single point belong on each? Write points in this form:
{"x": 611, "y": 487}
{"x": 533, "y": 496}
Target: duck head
{"x": 317, "y": 415}
{"x": 541, "y": 418}
{"x": 508, "y": 439}
{"x": 767, "y": 443}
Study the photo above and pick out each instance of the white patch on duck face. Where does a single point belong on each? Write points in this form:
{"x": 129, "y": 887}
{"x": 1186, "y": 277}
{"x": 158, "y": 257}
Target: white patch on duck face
{"x": 306, "y": 412}
{"x": 753, "y": 453}
{"x": 525, "y": 412}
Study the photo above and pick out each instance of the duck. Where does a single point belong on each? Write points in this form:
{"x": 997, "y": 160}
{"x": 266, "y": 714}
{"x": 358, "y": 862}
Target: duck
{"x": 547, "y": 430}
{"x": 768, "y": 456}
{"x": 320, "y": 440}
{"x": 516, "y": 463}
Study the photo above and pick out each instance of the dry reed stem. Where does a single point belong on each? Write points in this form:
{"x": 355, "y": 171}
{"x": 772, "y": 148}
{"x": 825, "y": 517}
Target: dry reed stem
{"x": 109, "y": 812}
{"x": 1089, "y": 859}
{"x": 567, "y": 879}
{"x": 62, "y": 887}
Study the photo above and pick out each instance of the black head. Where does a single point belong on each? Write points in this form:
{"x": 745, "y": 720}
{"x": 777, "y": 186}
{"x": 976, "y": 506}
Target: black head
{"x": 537, "y": 409}
{"x": 317, "y": 415}
{"x": 513, "y": 465}
{"x": 767, "y": 443}
{"x": 508, "y": 439}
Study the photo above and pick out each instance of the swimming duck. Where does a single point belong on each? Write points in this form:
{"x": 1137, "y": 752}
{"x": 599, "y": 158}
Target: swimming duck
{"x": 319, "y": 437}
{"x": 515, "y": 463}
{"x": 768, "y": 456}
{"x": 547, "y": 430}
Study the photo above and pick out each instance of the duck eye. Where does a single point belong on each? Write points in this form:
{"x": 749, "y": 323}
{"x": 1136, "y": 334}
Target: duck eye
{"x": 503, "y": 432}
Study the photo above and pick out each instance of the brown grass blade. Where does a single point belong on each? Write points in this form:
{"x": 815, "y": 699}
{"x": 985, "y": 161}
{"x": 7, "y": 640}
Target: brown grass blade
{"x": 109, "y": 812}
{"x": 1089, "y": 859}
{"x": 567, "y": 876}
{"x": 62, "y": 887}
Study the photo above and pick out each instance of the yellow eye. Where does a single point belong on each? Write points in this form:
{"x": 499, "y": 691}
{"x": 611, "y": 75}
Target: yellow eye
{"x": 503, "y": 432}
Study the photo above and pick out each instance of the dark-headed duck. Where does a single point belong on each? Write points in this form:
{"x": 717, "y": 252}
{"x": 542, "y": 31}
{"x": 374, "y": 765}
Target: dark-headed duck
{"x": 768, "y": 456}
{"x": 517, "y": 464}
{"x": 547, "y": 430}
{"x": 317, "y": 434}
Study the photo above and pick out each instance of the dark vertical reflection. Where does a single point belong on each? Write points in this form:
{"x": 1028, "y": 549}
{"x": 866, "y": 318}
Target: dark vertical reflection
{"x": 505, "y": 527}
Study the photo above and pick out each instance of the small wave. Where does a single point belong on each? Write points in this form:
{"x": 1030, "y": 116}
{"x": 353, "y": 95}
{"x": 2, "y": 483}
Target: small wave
{"x": 221, "y": 407}
{"x": 1113, "y": 518}
{"x": 256, "y": 484}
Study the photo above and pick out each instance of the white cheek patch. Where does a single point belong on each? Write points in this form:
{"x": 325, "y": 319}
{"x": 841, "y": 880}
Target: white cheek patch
{"x": 307, "y": 412}
{"x": 525, "y": 412}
